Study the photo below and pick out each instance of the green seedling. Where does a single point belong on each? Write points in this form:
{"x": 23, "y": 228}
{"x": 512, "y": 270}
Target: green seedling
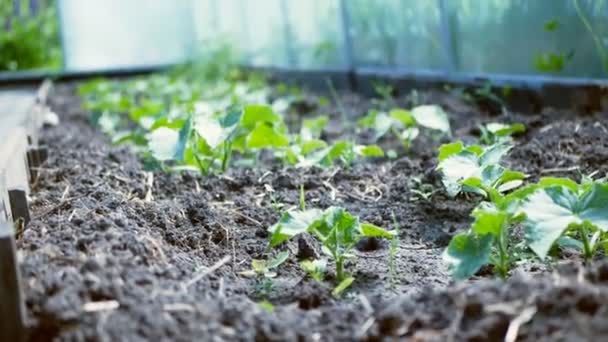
{"x": 385, "y": 91}
{"x": 336, "y": 229}
{"x": 392, "y": 252}
{"x": 574, "y": 215}
{"x": 265, "y": 268}
{"x": 476, "y": 169}
{"x": 317, "y": 153}
{"x": 421, "y": 191}
{"x": 266, "y": 305}
{"x": 488, "y": 240}
{"x": 315, "y": 268}
{"x": 405, "y": 124}
{"x": 493, "y": 133}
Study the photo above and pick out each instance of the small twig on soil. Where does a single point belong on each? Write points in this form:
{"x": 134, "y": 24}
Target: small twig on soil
{"x": 221, "y": 292}
{"x": 122, "y": 179}
{"x": 560, "y": 169}
{"x": 71, "y": 215}
{"x": 197, "y": 187}
{"x": 65, "y": 193}
{"x": 62, "y": 204}
{"x": 178, "y": 307}
{"x": 333, "y": 190}
{"x": 149, "y": 185}
{"x": 208, "y": 271}
{"x": 103, "y": 305}
{"x": 266, "y": 174}
{"x": 524, "y": 317}
{"x": 236, "y": 211}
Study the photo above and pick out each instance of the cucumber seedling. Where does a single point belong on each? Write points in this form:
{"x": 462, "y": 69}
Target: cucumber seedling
{"x": 488, "y": 240}
{"x": 336, "y": 229}
{"x": 476, "y": 169}
{"x": 405, "y": 124}
{"x": 571, "y": 214}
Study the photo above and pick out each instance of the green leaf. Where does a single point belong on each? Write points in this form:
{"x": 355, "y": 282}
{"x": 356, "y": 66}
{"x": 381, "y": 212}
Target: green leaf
{"x": 340, "y": 230}
{"x": 266, "y": 305}
{"x": 277, "y": 260}
{"x": 312, "y": 145}
{"x": 458, "y": 168}
{"x": 163, "y": 143}
{"x": 183, "y": 138}
{"x": 549, "y": 212}
{"x": 312, "y": 128}
{"x": 370, "y": 230}
{"x": 211, "y": 130}
{"x": 265, "y": 135}
{"x": 344, "y": 284}
{"x": 369, "y": 150}
{"x": 489, "y": 222}
{"x": 432, "y": 116}
{"x": 494, "y": 153}
{"x": 551, "y": 181}
{"x": 447, "y": 150}
{"x": 254, "y": 114}
{"x": 593, "y": 206}
{"x": 403, "y": 116}
{"x": 467, "y": 253}
{"x": 231, "y": 118}
{"x": 293, "y": 223}
{"x": 369, "y": 120}
{"x": 315, "y": 268}
{"x": 551, "y": 25}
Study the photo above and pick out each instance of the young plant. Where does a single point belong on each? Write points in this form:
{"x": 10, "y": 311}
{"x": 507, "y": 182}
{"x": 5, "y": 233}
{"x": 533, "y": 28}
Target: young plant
{"x": 476, "y": 169}
{"x": 494, "y": 132}
{"x": 315, "y": 268}
{"x": 318, "y": 153}
{"x": 405, "y": 124}
{"x": 488, "y": 240}
{"x": 265, "y": 268}
{"x": 572, "y": 214}
{"x": 337, "y": 230}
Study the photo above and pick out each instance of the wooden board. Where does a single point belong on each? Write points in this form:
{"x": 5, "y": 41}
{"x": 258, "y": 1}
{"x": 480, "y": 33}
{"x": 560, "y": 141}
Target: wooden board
{"x": 11, "y": 301}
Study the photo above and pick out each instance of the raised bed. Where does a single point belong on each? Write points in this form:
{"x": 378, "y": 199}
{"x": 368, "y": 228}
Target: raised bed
{"x": 114, "y": 252}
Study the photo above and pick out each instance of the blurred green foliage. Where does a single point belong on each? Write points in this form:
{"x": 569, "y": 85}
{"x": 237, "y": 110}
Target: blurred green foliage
{"x": 29, "y": 37}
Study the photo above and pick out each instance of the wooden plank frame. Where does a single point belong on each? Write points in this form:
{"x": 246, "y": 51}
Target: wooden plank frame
{"x": 20, "y": 157}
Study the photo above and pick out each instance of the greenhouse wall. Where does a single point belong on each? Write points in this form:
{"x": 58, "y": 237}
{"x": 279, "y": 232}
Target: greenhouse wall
{"x": 522, "y": 38}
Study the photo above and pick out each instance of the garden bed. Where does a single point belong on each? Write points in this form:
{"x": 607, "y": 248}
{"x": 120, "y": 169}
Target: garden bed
{"x": 115, "y": 253}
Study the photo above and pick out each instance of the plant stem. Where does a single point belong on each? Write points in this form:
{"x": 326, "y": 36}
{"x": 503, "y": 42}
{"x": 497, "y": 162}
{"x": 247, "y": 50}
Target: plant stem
{"x": 340, "y": 268}
{"x": 226, "y": 156}
{"x": 503, "y": 266}
{"x": 587, "y": 251}
{"x": 302, "y": 198}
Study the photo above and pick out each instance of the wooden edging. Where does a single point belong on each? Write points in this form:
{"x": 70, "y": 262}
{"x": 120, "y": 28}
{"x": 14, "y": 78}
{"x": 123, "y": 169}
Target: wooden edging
{"x": 20, "y": 156}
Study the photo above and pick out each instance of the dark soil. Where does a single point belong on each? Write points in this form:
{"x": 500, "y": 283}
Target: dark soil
{"x": 100, "y": 232}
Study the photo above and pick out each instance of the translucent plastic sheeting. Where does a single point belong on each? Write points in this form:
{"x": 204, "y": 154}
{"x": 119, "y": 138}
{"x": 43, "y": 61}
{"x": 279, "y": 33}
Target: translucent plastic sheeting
{"x": 396, "y": 33}
{"x": 316, "y": 36}
{"x": 513, "y": 37}
{"x": 108, "y": 34}
{"x": 255, "y": 28}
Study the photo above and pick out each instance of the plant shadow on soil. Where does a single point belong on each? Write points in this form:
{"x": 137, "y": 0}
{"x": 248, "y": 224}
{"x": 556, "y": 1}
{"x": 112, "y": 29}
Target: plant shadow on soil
{"x": 97, "y": 235}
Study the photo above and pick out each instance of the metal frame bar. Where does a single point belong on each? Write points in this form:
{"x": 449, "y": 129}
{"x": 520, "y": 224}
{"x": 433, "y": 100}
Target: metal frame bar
{"x": 292, "y": 59}
{"x": 447, "y": 38}
{"x": 347, "y": 38}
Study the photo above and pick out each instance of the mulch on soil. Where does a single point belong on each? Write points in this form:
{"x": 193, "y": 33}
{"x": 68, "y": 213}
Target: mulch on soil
{"x": 170, "y": 254}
